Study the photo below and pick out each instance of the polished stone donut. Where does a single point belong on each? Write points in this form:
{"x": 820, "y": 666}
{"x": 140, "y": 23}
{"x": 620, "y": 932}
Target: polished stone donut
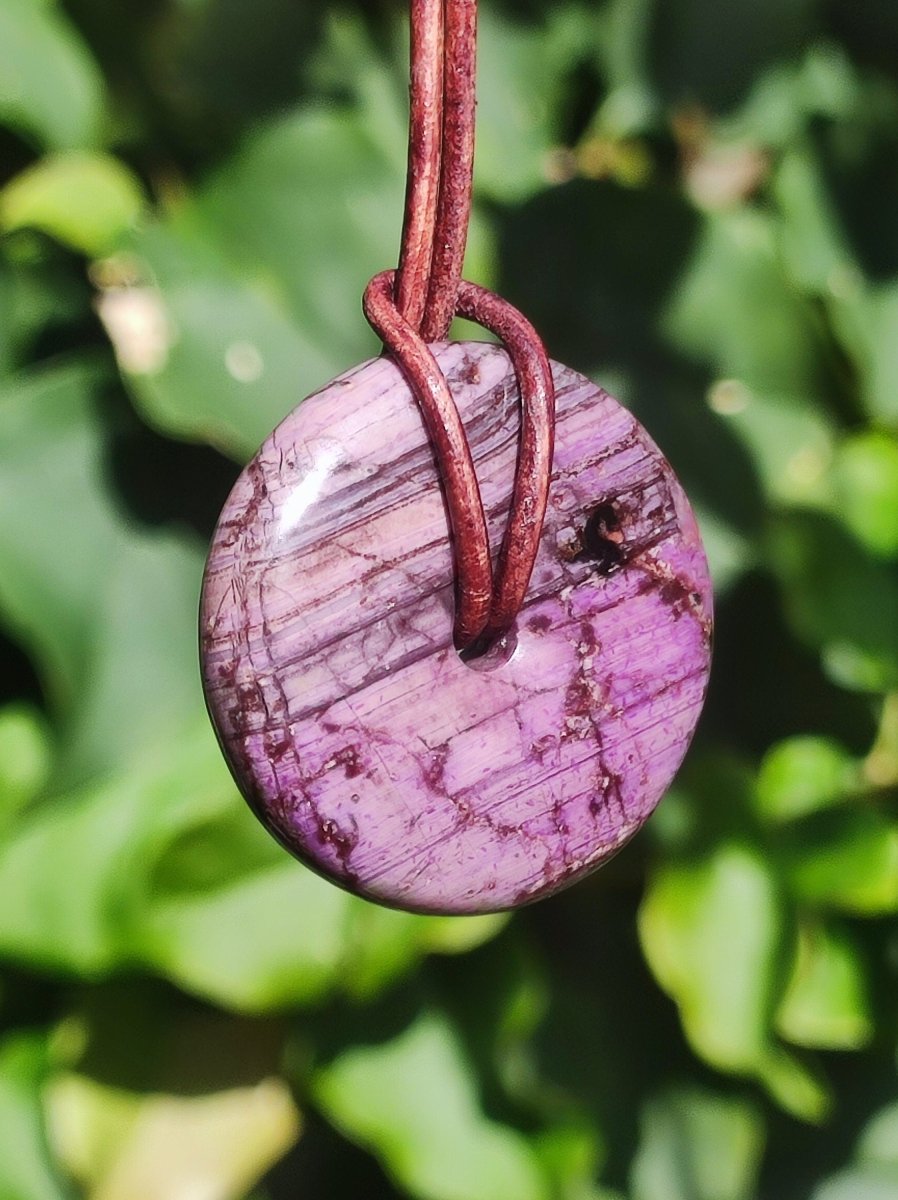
{"x": 351, "y": 724}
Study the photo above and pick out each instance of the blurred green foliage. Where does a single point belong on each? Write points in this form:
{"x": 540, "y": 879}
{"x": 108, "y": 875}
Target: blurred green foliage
{"x": 696, "y": 202}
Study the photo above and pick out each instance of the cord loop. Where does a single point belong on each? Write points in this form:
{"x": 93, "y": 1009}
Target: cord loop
{"x": 414, "y": 306}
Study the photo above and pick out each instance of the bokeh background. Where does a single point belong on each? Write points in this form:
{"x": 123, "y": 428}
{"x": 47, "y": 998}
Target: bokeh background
{"x": 697, "y": 203}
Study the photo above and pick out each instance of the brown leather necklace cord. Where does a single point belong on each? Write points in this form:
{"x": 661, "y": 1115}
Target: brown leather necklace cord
{"x": 457, "y": 170}
{"x": 425, "y": 142}
{"x": 470, "y": 540}
{"x": 533, "y": 473}
{"x": 415, "y": 305}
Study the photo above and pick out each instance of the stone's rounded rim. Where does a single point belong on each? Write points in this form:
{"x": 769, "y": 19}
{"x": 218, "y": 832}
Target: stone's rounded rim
{"x": 352, "y": 727}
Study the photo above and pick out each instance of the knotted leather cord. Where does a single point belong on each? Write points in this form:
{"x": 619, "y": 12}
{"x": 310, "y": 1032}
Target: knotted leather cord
{"x": 414, "y": 306}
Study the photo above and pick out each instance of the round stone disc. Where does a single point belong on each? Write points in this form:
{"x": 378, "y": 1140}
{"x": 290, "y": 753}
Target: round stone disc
{"x": 352, "y": 726}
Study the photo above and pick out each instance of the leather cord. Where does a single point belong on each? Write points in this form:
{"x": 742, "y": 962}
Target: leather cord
{"x": 414, "y": 306}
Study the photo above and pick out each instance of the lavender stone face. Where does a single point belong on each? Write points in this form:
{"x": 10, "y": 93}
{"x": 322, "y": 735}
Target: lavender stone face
{"x": 353, "y": 728}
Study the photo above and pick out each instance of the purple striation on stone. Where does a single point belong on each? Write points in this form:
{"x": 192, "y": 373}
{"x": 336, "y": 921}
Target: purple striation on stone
{"x": 357, "y": 734}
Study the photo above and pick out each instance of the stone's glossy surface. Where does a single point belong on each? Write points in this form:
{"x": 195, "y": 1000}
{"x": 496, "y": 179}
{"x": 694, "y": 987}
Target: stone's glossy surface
{"x": 355, "y": 731}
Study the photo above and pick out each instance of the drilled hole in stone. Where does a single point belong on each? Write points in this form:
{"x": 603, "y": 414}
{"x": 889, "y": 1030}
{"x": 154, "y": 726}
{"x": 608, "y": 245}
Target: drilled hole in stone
{"x": 488, "y": 654}
{"x": 602, "y": 539}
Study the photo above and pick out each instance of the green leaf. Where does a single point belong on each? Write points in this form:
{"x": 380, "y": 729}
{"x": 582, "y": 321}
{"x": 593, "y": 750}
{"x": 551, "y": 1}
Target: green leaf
{"x": 802, "y": 775}
{"x": 263, "y": 296}
{"x": 520, "y": 76}
{"x": 75, "y": 576}
{"x": 798, "y": 1087}
{"x": 518, "y": 81}
{"x": 848, "y": 861}
{"x": 876, "y": 1175}
{"x": 27, "y": 1170}
{"x": 223, "y": 873}
{"x": 570, "y": 1157}
{"x": 50, "y": 467}
{"x": 159, "y": 1099}
{"x": 50, "y": 87}
{"x": 787, "y": 436}
{"x": 866, "y": 318}
{"x": 735, "y": 310}
{"x": 211, "y": 352}
{"x": 412, "y": 1103}
{"x": 236, "y": 920}
{"x": 697, "y": 1146}
{"x": 272, "y": 937}
{"x": 858, "y": 1185}
{"x": 34, "y": 295}
{"x": 827, "y": 1002}
{"x": 814, "y": 248}
{"x": 382, "y": 943}
{"x": 708, "y": 55}
{"x": 114, "y": 832}
{"x": 713, "y": 933}
{"x": 175, "y": 874}
{"x": 118, "y": 1143}
{"x": 866, "y": 485}
{"x": 340, "y": 226}
{"x": 879, "y": 1142}
{"x": 881, "y": 764}
{"x": 785, "y": 99}
{"x": 25, "y": 759}
{"x": 882, "y": 317}
{"x": 353, "y": 63}
{"x": 158, "y": 1146}
{"x": 699, "y": 821}
{"x": 459, "y": 935}
{"x": 87, "y": 201}
{"x": 250, "y": 301}
{"x": 116, "y": 719}
{"x": 838, "y": 599}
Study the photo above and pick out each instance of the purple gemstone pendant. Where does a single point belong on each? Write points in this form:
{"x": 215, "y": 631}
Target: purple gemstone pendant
{"x": 359, "y": 736}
